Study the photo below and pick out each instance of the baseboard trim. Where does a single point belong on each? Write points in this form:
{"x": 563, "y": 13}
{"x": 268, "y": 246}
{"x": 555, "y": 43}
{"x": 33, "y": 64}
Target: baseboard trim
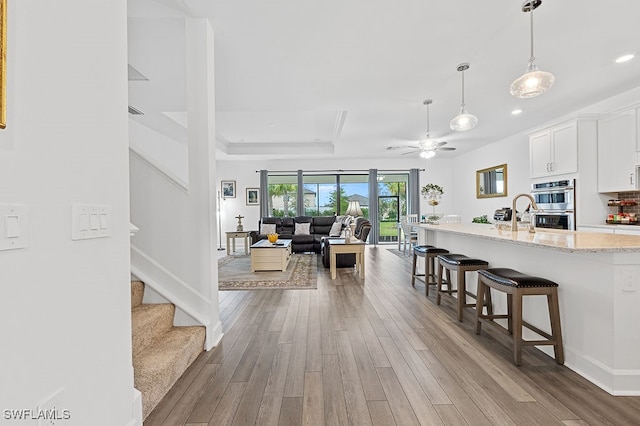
{"x": 136, "y": 408}
{"x": 156, "y": 277}
{"x": 213, "y": 336}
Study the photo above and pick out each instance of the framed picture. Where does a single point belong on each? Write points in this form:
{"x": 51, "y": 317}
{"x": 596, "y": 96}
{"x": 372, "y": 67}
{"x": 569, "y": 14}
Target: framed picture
{"x": 253, "y": 196}
{"x": 228, "y": 188}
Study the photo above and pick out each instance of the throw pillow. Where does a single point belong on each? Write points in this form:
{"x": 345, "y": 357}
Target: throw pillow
{"x": 303, "y": 228}
{"x": 268, "y": 228}
{"x": 335, "y": 229}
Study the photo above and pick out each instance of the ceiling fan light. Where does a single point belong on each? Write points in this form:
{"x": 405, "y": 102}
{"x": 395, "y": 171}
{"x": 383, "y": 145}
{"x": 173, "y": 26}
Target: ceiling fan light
{"x": 427, "y": 154}
{"x": 532, "y": 83}
{"x": 463, "y": 121}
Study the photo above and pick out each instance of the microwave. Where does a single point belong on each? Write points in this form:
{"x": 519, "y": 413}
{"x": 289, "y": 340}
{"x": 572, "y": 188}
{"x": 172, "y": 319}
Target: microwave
{"x": 554, "y": 196}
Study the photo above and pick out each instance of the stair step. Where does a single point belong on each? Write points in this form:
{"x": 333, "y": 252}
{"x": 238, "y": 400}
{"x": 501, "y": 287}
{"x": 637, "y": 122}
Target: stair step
{"x": 137, "y": 291}
{"x": 163, "y": 361}
{"x": 148, "y": 322}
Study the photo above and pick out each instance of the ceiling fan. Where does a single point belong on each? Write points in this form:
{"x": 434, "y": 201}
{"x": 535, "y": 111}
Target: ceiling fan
{"x": 426, "y": 147}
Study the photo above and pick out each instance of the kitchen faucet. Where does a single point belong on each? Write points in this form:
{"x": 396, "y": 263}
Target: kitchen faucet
{"x": 514, "y": 217}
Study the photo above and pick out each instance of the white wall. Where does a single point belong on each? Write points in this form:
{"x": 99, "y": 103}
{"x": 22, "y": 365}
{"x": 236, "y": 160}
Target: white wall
{"x": 65, "y": 320}
{"x": 513, "y": 151}
{"x": 437, "y": 170}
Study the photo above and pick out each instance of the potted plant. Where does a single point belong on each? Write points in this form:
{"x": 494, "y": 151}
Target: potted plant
{"x": 433, "y": 194}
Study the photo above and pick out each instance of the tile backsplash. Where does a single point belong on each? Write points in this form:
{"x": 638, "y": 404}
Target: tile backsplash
{"x": 631, "y": 195}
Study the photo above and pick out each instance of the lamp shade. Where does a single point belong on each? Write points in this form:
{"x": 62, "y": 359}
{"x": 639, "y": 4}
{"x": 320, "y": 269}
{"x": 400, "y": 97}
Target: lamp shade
{"x": 354, "y": 209}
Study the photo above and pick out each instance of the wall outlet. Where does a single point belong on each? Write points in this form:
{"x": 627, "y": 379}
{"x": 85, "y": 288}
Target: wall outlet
{"x": 629, "y": 281}
{"x": 52, "y": 411}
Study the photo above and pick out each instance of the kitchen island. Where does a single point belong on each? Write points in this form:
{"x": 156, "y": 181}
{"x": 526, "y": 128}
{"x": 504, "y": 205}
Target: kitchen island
{"x": 599, "y": 291}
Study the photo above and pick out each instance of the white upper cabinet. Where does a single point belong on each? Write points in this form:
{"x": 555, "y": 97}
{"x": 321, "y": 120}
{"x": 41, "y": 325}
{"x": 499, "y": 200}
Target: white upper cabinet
{"x": 617, "y": 151}
{"x": 554, "y": 151}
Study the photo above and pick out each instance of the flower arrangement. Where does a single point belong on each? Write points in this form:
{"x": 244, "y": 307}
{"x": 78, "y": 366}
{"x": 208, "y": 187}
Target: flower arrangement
{"x": 433, "y": 193}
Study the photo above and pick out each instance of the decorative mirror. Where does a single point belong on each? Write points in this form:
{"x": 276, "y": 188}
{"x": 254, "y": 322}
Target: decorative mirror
{"x": 492, "y": 182}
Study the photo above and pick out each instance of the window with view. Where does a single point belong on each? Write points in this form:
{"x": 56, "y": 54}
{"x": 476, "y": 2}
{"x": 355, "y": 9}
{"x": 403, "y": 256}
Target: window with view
{"x": 329, "y": 194}
{"x": 283, "y": 195}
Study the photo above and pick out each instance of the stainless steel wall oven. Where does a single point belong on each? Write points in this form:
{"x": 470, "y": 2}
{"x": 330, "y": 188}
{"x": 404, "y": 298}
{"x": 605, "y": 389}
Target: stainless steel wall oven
{"x": 557, "y": 200}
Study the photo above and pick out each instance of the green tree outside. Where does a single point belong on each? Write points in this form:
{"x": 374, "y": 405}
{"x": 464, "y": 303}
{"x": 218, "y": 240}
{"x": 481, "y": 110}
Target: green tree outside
{"x": 333, "y": 203}
{"x": 288, "y": 193}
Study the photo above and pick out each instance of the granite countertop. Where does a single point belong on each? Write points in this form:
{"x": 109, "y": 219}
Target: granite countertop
{"x": 571, "y": 241}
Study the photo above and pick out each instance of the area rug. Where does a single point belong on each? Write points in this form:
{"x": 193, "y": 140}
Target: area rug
{"x": 399, "y": 253}
{"x": 234, "y": 273}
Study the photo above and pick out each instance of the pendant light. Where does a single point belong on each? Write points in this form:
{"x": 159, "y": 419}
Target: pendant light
{"x": 533, "y": 82}
{"x": 425, "y": 151}
{"x": 463, "y": 121}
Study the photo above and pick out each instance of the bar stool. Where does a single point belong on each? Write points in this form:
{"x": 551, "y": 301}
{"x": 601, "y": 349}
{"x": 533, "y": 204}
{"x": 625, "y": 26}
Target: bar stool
{"x": 461, "y": 264}
{"x": 516, "y": 285}
{"x": 429, "y": 253}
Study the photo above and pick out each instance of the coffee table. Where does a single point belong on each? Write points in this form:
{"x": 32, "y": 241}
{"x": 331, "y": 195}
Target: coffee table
{"x": 352, "y": 245}
{"x": 266, "y": 256}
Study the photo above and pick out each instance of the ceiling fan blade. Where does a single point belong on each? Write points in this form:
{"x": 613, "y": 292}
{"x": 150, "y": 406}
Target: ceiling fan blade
{"x": 413, "y": 151}
{"x": 393, "y": 148}
{"x": 447, "y": 149}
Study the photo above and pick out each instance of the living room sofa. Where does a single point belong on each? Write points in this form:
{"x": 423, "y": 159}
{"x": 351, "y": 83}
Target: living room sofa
{"x": 285, "y": 227}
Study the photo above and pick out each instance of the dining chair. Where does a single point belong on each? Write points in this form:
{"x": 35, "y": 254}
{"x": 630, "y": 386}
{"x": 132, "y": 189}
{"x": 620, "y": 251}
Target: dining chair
{"x": 410, "y": 236}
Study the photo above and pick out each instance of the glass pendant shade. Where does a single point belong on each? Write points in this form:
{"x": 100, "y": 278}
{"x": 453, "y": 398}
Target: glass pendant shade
{"x": 532, "y": 83}
{"x": 463, "y": 121}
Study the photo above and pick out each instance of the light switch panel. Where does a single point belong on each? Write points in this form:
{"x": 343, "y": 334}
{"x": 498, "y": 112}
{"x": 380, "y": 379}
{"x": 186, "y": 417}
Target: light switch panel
{"x": 13, "y": 226}
{"x": 14, "y": 229}
{"x": 90, "y": 221}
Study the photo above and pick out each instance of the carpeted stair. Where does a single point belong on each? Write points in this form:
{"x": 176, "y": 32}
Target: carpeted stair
{"x": 161, "y": 352}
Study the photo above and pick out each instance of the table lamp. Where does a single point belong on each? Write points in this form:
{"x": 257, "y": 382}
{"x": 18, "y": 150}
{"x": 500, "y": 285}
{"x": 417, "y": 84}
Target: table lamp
{"x": 353, "y": 210}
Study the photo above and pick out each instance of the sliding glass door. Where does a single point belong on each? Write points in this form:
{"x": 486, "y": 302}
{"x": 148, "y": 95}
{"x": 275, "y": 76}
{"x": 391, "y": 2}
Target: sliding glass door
{"x": 388, "y": 217}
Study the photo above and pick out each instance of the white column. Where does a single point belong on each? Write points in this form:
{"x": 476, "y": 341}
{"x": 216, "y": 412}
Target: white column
{"x": 202, "y": 161}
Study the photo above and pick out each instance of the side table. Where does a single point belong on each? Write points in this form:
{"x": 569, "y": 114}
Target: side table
{"x": 340, "y": 245}
{"x": 231, "y": 241}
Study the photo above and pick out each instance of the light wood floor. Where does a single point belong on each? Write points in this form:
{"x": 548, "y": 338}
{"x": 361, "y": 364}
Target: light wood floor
{"x": 376, "y": 352}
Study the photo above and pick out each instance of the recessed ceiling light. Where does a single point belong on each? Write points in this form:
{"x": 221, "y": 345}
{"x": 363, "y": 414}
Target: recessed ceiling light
{"x": 516, "y": 112}
{"x": 625, "y": 58}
